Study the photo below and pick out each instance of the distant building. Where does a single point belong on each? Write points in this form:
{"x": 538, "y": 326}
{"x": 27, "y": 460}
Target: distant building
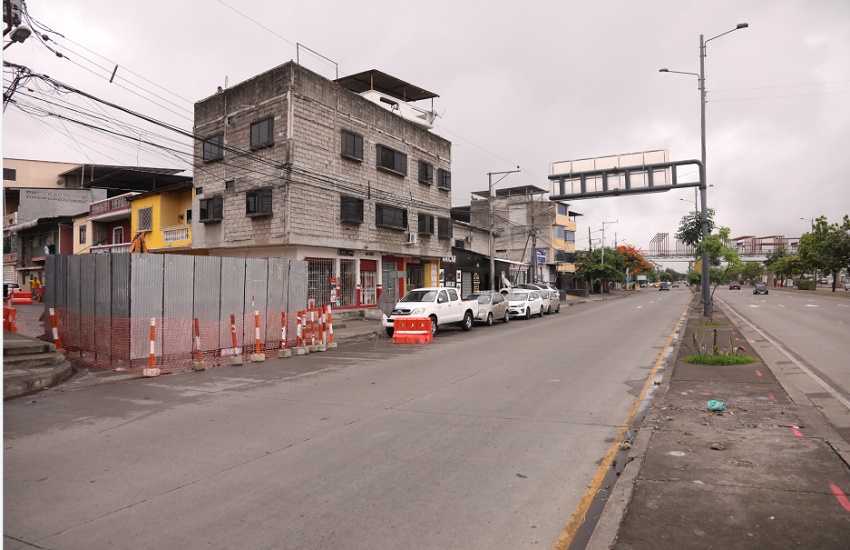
{"x": 50, "y": 207}
{"x": 343, "y": 174}
{"x": 164, "y": 218}
{"x": 536, "y": 235}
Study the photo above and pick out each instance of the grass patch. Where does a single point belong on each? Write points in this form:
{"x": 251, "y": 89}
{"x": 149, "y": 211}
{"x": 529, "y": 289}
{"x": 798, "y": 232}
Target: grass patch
{"x": 709, "y": 324}
{"x": 718, "y": 359}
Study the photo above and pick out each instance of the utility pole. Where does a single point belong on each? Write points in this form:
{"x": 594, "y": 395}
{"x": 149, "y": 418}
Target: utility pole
{"x": 533, "y": 245}
{"x": 490, "y": 205}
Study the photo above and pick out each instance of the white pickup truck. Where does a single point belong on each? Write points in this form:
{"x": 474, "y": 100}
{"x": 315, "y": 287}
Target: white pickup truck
{"x": 443, "y": 305}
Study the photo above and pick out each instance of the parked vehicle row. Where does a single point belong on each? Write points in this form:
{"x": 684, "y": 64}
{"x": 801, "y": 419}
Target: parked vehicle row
{"x": 444, "y": 306}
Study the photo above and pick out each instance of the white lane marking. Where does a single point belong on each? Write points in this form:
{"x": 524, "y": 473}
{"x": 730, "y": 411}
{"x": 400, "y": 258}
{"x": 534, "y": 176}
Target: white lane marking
{"x": 639, "y": 307}
{"x": 780, "y": 305}
{"x": 799, "y": 365}
{"x": 842, "y": 305}
{"x": 754, "y": 305}
{"x": 812, "y": 305}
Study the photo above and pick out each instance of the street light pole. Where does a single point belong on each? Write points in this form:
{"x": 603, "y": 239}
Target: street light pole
{"x": 706, "y": 288}
{"x": 603, "y": 238}
{"x": 490, "y": 184}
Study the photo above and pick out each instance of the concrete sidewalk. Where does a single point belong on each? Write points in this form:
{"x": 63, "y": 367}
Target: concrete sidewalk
{"x": 768, "y": 472}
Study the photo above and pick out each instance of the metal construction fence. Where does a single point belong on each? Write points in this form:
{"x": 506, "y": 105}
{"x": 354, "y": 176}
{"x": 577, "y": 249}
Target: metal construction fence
{"x": 117, "y": 310}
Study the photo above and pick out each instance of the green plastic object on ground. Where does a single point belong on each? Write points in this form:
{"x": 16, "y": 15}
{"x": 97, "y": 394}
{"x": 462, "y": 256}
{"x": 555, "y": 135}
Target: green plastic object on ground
{"x": 715, "y": 405}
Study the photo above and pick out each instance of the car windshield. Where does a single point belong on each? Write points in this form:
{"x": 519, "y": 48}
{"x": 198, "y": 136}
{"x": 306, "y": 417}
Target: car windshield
{"x": 482, "y": 298}
{"x": 420, "y": 296}
{"x": 761, "y": 286}
{"x": 518, "y": 296}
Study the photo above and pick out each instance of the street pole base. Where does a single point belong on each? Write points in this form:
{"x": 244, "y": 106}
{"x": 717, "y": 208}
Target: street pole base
{"x": 234, "y": 361}
{"x": 198, "y": 365}
{"x": 301, "y": 351}
{"x": 258, "y": 357}
{"x": 284, "y": 353}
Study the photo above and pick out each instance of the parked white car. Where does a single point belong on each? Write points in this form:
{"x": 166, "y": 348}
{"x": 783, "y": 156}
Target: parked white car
{"x": 525, "y": 303}
{"x": 443, "y": 305}
{"x": 491, "y": 306}
{"x": 550, "y": 294}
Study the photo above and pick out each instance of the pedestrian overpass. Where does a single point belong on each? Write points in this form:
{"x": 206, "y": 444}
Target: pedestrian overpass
{"x": 749, "y": 247}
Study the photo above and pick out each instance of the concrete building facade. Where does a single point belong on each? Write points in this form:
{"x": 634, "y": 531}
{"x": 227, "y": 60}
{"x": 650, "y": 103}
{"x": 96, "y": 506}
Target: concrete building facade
{"x": 291, "y": 164}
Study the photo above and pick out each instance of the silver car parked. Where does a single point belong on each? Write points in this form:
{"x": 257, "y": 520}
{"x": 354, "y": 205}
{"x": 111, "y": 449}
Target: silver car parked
{"x": 491, "y": 306}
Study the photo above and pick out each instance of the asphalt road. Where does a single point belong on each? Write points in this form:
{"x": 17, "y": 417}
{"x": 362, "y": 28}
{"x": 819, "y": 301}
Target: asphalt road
{"x": 812, "y": 330}
{"x": 487, "y": 439}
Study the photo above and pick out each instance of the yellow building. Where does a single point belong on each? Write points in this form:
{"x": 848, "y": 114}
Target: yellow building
{"x": 164, "y": 216}
{"x": 563, "y": 238}
{"x": 83, "y": 234}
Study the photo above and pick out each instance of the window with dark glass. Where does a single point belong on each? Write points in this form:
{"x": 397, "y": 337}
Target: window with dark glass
{"x": 352, "y": 146}
{"x": 444, "y": 179}
{"x": 426, "y": 224}
{"x": 230, "y": 184}
{"x": 350, "y": 209}
{"x": 391, "y": 160}
{"x": 10, "y": 174}
{"x": 426, "y": 173}
{"x": 562, "y": 209}
{"x": 444, "y": 228}
{"x": 199, "y": 190}
{"x": 214, "y": 148}
{"x": 262, "y": 133}
{"x": 390, "y": 216}
{"x": 82, "y": 234}
{"x": 570, "y": 236}
{"x": 211, "y": 209}
{"x": 258, "y": 202}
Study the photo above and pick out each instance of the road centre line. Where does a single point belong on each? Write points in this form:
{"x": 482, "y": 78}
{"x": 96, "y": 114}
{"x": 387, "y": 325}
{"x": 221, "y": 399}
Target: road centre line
{"x": 787, "y": 354}
{"x": 577, "y": 518}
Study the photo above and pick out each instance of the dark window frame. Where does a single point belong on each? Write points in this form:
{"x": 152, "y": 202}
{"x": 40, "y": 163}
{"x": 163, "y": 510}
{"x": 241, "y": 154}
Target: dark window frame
{"x": 425, "y": 224}
{"x": 384, "y": 214}
{"x": 213, "y": 148}
{"x": 258, "y": 202}
{"x": 444, "y": 228}
{"x": 83, "y": 234}
{"x": 399, "y": 160}
{"x": 351, "y": 146}
{"x": 10, "y": 174}
{"x": 257, "y": 131}
{"x": 211, "y": 210}
{"x": 428, "y": 176}
{"x": 350, "y": 209}
{"x": 444, "y": 179}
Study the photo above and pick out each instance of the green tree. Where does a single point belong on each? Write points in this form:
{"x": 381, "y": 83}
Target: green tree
{"x": 753, "y": 271}
{"x": 827, "y": 247}
{"x": 589, "y": 267}
{"x": 690, "y": 227}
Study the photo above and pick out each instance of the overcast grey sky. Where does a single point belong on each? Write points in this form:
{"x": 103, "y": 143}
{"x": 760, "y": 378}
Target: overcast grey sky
{"x": 520, "y": 84}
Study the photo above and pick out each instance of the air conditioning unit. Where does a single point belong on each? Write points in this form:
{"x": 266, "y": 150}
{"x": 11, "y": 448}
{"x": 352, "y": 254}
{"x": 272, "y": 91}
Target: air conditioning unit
{"x": 411, "y": 238}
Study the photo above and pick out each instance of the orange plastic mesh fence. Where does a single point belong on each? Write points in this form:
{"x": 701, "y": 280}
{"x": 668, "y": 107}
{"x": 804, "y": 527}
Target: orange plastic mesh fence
{"x": 124, "y": 344}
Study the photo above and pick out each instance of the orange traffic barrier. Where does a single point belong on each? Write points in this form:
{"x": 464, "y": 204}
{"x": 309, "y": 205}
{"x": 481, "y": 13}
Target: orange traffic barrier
{"x": 197, "y": 340}
{"x": 152, "y": 370}
{"x": 283, "y": 330}
{"x": 416, "y": 330}
{"x": 330, "y": 325}
{"x": 257, "y": 332}
{"x": 21, "y": 297}
{"x": 9, "y": 314}
{"x": 54, "y": 329}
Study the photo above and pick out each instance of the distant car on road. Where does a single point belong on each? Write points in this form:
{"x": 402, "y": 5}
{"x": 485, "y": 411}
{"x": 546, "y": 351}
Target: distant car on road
{"x": 760, "y": 288}
{"x": 491, "y": 306}
{"x": 734, "y": 285}
{"x": 675, "y": 285}
{"x": 664, "y": 286}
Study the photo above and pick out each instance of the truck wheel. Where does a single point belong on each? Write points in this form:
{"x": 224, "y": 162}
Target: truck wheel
{"x": 467, "y": 321}
{"x": 489, "y": 319}
{"x": 390, "y": 332}
{"x": 433, "y": 324}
